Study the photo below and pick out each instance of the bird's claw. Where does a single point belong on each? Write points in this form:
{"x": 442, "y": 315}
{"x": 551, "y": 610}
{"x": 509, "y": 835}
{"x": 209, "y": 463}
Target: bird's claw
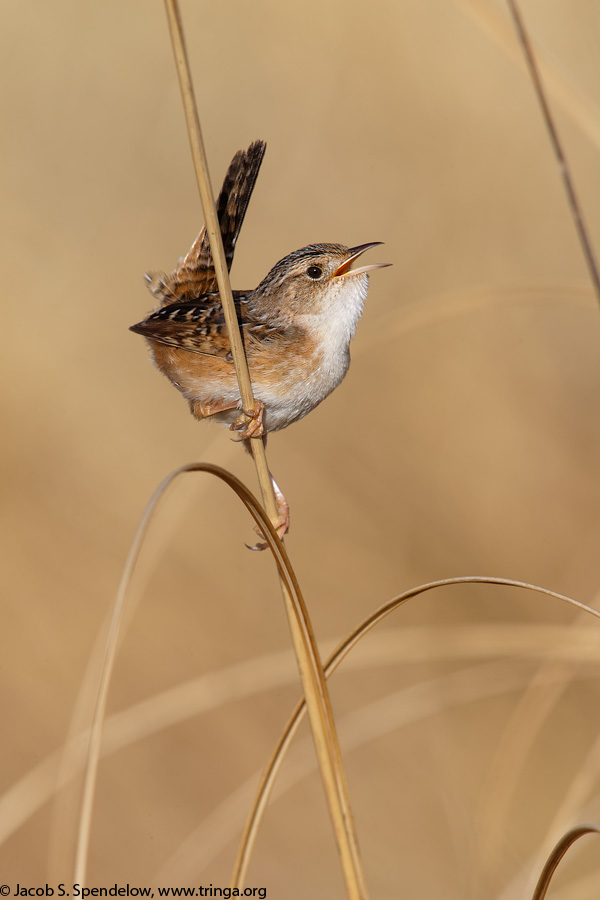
{"x": 281, "y": 526}
{"x": 281, "y": 523}
{"x": 251, "y": 422}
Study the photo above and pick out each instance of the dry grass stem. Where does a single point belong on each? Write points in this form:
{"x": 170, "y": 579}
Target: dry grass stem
{"x": 375, "y": 720}
{"x": 270, "y": 773}
{"x": 491, "y": 21}
{"x": 579, "y": 789}
{"x": 563, "y": 167}
{"x": 309, "y": 663}
{"x": 557, "y": 854}
{"x": 213, "y": 690}
{"x": 216, "y": 245}
{"x": 108, "y": 662}
{"x": 325, "y": 737}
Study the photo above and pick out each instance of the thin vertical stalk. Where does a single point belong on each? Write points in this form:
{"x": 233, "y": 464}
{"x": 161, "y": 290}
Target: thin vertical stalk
{"x": 576, "y": 211}
{"x": 216, "y": 245}
{"x": 307, "y": 655}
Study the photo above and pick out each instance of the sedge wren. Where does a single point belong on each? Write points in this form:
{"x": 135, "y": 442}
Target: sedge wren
{"x": 296, "y": 325}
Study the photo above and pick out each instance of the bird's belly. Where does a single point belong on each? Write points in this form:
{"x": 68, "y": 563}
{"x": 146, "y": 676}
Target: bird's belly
{"x": 293, "y": 395}
{"x": 200, "y": 378}
{"x": 288, "y": 392}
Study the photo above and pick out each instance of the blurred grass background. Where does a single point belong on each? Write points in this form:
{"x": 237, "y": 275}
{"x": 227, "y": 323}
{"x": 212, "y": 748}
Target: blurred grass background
{"x": 464, "y": 440}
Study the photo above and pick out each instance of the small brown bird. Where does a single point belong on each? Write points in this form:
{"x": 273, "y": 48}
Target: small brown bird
{"x": 296, "y": 325}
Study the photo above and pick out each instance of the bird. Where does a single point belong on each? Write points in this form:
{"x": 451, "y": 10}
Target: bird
{"x": 296, "y": 325}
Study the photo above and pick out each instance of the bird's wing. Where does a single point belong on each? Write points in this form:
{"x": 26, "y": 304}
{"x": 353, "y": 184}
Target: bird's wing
{"x": 199, "y": 325}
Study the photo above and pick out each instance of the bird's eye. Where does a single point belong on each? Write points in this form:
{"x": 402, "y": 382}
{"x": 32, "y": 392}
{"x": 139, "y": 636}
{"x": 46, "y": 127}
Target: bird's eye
{"x": 314, "y": 272}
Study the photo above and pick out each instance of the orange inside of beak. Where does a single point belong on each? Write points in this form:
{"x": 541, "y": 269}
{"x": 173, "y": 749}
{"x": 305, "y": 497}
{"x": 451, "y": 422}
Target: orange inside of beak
{"x": 345, "y": 266}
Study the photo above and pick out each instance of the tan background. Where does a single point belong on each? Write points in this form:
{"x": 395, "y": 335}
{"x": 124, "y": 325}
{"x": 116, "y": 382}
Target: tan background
{"x": 465, "y": 439}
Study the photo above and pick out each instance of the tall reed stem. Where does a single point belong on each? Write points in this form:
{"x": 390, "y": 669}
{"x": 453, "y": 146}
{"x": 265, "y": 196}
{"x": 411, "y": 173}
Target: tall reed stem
{"x": 309, "y": 663}
{"x": 216, "y": 245}
{"x": 563, "y": 167}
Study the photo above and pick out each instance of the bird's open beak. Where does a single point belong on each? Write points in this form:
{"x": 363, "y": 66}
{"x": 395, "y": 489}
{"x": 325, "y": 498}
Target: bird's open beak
{"x": 354, "y": 253}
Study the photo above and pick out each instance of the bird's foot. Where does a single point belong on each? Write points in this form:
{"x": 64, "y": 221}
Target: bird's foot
{"x": 251, "y": 422}
{"x": 281, "y": 523}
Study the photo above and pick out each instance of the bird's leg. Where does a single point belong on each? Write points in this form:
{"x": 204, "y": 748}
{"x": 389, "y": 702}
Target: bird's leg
{"x": 282, "y": 525}
{"x": 205, "y": 410}
{"x": 252, "y": 428}
{"x": 282, "y": 522}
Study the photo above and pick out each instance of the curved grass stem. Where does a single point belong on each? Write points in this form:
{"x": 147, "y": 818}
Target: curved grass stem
{"x": 317, "y": 700}
{"x": 557, "y": 854}
{"x": 270, "y": 773}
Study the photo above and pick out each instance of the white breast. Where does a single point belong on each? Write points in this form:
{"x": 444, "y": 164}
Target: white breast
{"x": 331, "y": 330}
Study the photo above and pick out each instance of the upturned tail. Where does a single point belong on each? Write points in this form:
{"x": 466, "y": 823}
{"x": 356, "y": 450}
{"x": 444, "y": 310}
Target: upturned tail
{"x": 195, "y": 272}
